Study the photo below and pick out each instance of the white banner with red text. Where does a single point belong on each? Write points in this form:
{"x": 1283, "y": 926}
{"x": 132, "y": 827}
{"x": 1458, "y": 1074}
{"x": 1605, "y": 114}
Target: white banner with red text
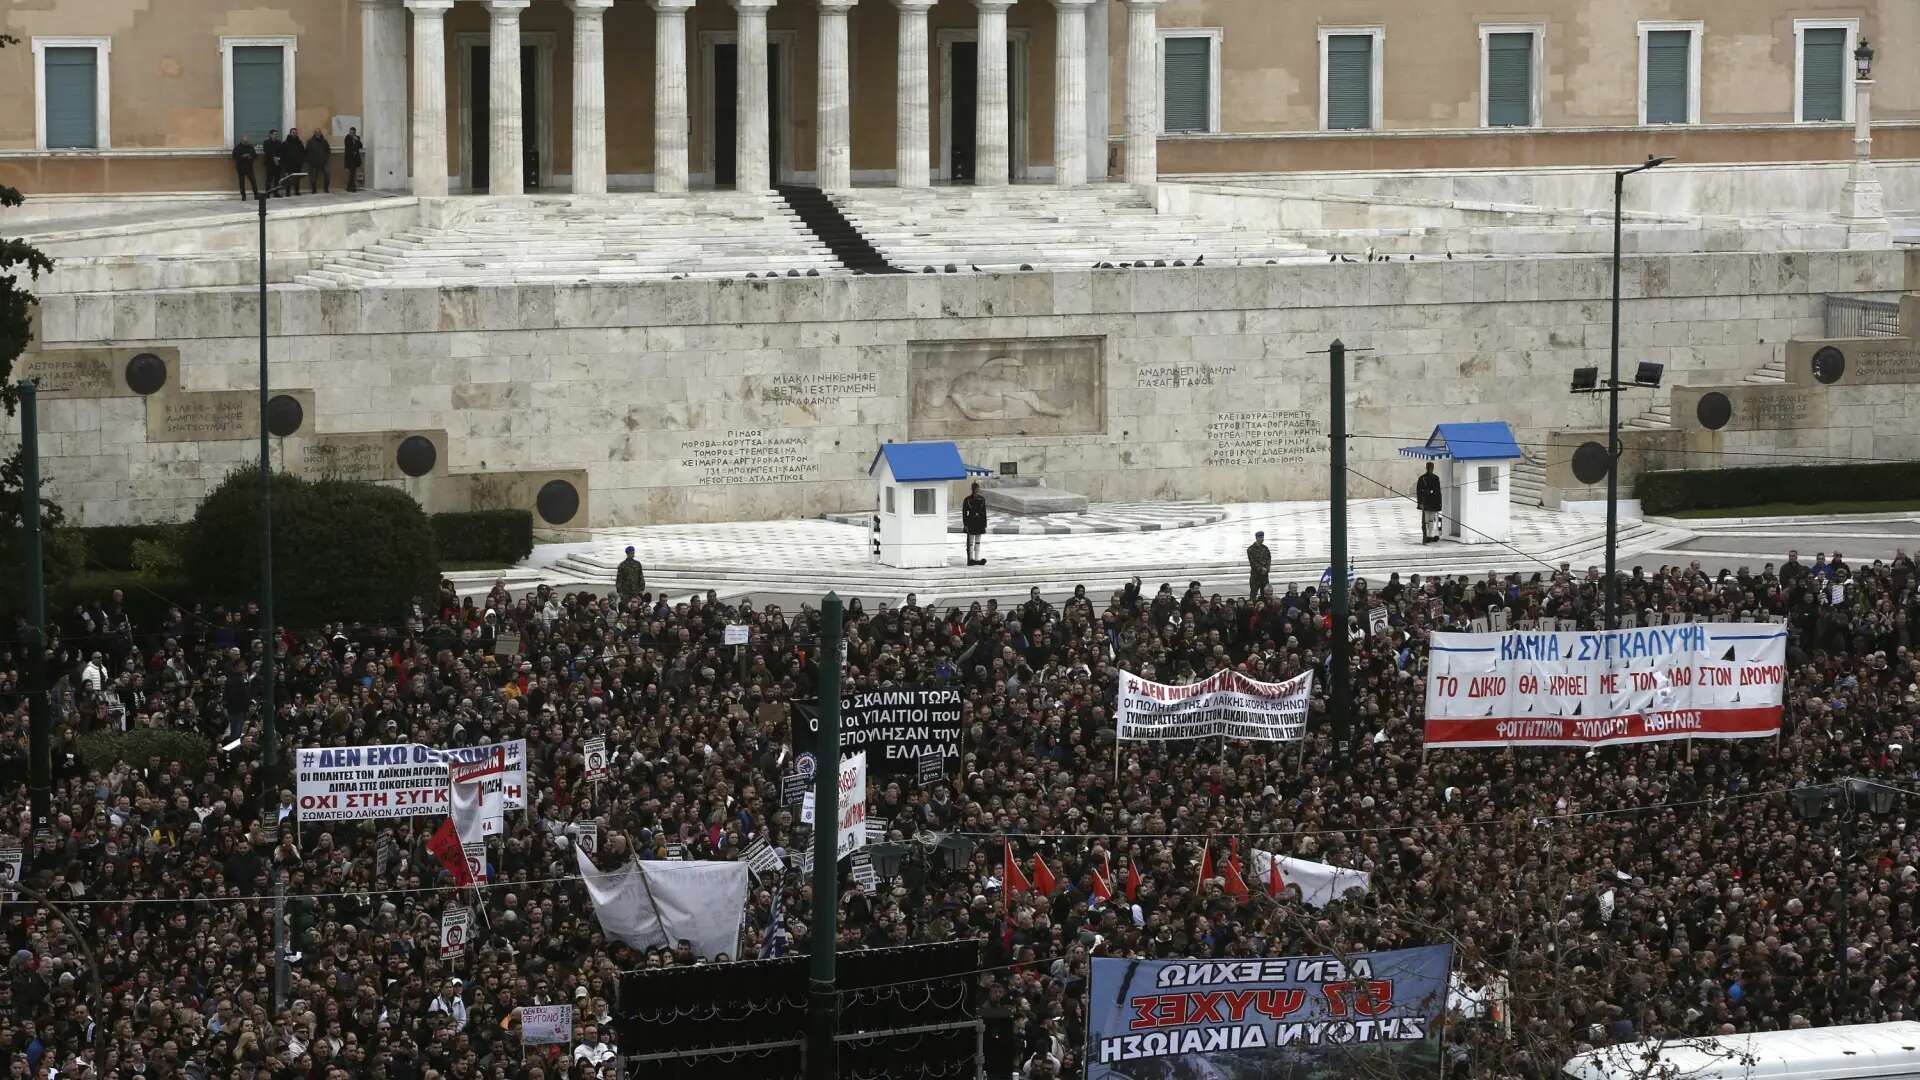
{"x": 1225, "y": 704}
{"x": 353, "y": 783}
{"x": 1528, "y": 688}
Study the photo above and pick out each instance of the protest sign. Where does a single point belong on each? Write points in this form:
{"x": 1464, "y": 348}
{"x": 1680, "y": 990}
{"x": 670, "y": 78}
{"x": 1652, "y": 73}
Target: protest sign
{"x": 1280, "y": 1017}
{"x": 1226, "y": 703}
{"x": 13, "y": 861}
{"x": 395, "y": 780}
{"x": 896, "y": 727}
{"x": 476, "y": 852}
{"x": 863, "y": 872}
{"x": 586, "y": 834}
{"x": 1377, "y": 619}
{"x": 734, "y": 634}
{"x": 1689, "y": 681}
{"x": 933, "y": 769}
{"x": 542, "y": 1025}
{"x": 454, "y": 924}
{"x": 593, "y": 754}
{"x": 478, "y": 789}
{"x": 853, "y": 805}
{"x": 794, "y": 788}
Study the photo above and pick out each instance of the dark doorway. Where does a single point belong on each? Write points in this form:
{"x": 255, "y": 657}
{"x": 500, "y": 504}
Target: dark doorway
{"x": 480, "y": 134}
{"x": 965, "y": 66}
{"x": 726, "y": 115}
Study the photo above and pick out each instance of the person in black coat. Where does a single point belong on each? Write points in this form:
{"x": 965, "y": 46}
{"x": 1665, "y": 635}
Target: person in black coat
{"x": 272, "y": 149}
{"x": 293, "y": 160}
{"x": 973, "y": 519}
{"x": 1427, "y": 494}
{"x": 243, "y": 155}
{"x": 354, "y": 153}
{"x": 319, "y": 163}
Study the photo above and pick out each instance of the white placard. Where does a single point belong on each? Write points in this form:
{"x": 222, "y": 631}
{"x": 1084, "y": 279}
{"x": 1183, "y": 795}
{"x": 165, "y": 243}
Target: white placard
{"x": 355, "y": 783}
{"x": 1225, "y": 704}
{"x": 545, "y": 1025}
{"x": 735, "y": 634}
{"x": 454, "y": 924}
{"x": 593, "y": 753}
{"x": 853, "y": 805}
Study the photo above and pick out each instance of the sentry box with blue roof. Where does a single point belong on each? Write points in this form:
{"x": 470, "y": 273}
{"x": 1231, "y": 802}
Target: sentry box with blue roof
{"x": 1475, "y": 462}
{"x": 912, "y": 482}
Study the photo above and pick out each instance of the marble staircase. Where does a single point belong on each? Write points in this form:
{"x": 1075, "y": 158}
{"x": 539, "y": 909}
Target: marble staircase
{"x": 1047, "y": 228}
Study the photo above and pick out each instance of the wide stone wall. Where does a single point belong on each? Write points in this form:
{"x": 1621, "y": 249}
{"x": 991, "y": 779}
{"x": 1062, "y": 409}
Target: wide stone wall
{"x": 719, "y": 400}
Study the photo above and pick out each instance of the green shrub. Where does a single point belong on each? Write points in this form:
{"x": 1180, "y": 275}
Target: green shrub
{"x": 342, "y": 549}
{"x": 1666, "y": 491}
{"x": 157, "y": 558}
{"x": 111, "y": 547}
{"x": 100, "y": 749}
{"x": 504, "y": 536}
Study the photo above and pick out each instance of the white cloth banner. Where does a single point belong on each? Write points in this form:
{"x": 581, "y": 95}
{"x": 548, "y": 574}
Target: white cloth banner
{"x": 354, "y": 783}
{"x": 479, "y": 797}
{"x": 1320, "y": 883}
{"x": 650, "y": 903}
{"x": 1225, "y": 703}
{"x": 853, "y": 804}
{"x": 544, "y": 1025}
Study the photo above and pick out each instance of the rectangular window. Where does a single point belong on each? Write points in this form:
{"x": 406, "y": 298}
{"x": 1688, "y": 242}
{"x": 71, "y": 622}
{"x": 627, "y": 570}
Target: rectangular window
{"x": 1668, "y": 58}
{"x": 1822, "y": 90}
{"x": 257, "y": 84}
{"x": 70, "y": 83}
{"x": 1489, "y": 478}
{"x": 1349, "y": 65}
{"x": 1190, "y": 63}
{"x": 923, "y": 500}
{"x": 889, "y": 491}
{"x": 1510, "y": 76}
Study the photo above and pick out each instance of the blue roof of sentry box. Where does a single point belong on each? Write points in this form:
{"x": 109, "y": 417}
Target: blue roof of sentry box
{"x": 1485, "y": 441}
{"x": 921, "y": 463}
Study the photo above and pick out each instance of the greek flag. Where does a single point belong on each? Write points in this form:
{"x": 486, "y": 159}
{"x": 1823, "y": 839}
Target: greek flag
{"x": 1326, "y": 577}
{"x": 773, "y": 943}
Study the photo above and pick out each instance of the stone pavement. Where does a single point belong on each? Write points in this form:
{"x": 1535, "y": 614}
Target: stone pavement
{"x": 1098, "y": 518}
{"x": 808, "y": 558}
{"x": 1730, "y": 543}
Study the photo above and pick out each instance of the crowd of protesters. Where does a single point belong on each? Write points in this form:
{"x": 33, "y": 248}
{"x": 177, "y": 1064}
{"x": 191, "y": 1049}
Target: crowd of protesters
{"x": 1630, "y": 893}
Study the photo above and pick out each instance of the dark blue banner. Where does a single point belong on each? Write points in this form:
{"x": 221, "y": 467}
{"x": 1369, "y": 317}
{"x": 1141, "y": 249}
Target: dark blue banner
{"x": 1267, "y": 1018}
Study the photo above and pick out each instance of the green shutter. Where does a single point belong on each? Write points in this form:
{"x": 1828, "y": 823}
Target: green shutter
{"x": 1188, "y": 95}
{"x": 1669, "y": 53}
{"x": 1509, "y": 80}
{"x": 1350, "y": 81}
{"x": 257, "y": 86}
{"x": 1823, "y": 67}
{"x": 72, "y": 98}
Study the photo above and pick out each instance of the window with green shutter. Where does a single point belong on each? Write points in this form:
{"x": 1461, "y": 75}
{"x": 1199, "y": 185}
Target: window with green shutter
{"x": 258, "y": 86}
{"x": 1669, "y": 55}
{"x": 72, "y": 104}
{"x": 1189, "y": 79}
{"x": 1509, "y": 80}
{"x": 1349, "y": 81}
{"x": 1823, "y": 69}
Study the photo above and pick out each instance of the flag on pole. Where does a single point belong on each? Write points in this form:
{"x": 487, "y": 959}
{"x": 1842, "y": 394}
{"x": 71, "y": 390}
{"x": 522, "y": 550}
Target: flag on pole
{"x": 1043, "y": 881}
{"x": 1275, "y": 886}
{"x": 1103, "y": 879}
{"x": 1206, "y": 868}
{"x": 444, "y": 845}
{"x": 1133, "y": 880}
{"x": 1011, "y": 879}
{"x": 1236, "y": 885}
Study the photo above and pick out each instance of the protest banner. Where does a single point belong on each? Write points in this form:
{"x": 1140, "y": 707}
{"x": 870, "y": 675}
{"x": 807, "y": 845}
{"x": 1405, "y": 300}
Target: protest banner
{"x": 1281, "y": 1017}
{"x": 1688, "y": 681}
{"x": 896, "y": 727}
{"x": 1226, "y": 704}
{"x": 853, "y": 805}
{"x": 546, "y": 1025}
{"x": 593, "y": 754}
{"x": 478, "y": 803}
{"x": 454, "y": 924}
{"x": 357, "y": 783}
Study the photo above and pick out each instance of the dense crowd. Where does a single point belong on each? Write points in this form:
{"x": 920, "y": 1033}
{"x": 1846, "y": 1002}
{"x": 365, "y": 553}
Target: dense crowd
{"x": 1594, "y": 898}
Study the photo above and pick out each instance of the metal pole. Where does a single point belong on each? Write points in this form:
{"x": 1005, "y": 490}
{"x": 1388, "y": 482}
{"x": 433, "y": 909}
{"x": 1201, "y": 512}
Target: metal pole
{"x": 1844, "y": 1006}
{"x": 281, "y": 974}
{"x": 39, "y": 709}
{"x": 1613, "y": 414}
{"x": 270, "y": 735}
{"x": 1342, "y": 647}
{"x": 823, "y": 1002}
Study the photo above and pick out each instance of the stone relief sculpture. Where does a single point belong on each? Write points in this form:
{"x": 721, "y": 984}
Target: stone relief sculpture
{"x": 994, "y": 392}
{"x": 1007, "y": 387}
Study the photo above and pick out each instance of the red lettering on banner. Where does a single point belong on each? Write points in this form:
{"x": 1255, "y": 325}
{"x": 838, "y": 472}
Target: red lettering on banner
{"x": 1487, "y": 686}
{"x": 1205, "y": 1008}
{"x": 1280, "y": 1004}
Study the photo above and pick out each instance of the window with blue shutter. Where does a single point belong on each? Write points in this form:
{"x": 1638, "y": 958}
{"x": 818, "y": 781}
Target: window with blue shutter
{"x": 258, "y": 86}
{"x": 1349, "y": 81}
{"x": 1669, "y": 55}
{"x": 1189, "y": 89}
{"x": 1823, "y": 70}
{"x": 72, "y": 104}
{"x": 1509, "y": 80}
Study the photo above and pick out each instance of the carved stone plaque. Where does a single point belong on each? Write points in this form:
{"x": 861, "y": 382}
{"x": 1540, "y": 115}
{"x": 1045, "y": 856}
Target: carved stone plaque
{"x": 1035, "y": 386}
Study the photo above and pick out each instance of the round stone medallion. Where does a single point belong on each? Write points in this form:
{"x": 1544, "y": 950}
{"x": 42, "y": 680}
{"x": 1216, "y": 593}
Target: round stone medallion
{"x": 416, "y": 455}
{"x": 146, "y": 374}
{"x": 1829, "y": 364}
{"x": 557, "y": 502}
{"x": 1714, "y": 410}
{"x": 1590, "y": 463}
{"x": 284, "y": 415}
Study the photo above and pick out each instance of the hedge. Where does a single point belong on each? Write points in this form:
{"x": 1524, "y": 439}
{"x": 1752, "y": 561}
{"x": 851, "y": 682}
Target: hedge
{"x": 342, "y": 549}
{"x": 1665, "y": 491}
{"x": 100, "y": 749}
{"x": 504, "y": 536}
{"x": 110, "y": 547}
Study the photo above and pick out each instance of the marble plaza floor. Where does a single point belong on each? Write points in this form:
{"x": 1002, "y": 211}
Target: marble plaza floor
{"x": 806, "y": 558}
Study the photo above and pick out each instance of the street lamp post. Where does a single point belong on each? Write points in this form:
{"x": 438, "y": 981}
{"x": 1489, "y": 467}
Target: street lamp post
{"x": 1865, "y": 203}
{"x": 1812, "y": 802}
{"x": 270, "y": 735}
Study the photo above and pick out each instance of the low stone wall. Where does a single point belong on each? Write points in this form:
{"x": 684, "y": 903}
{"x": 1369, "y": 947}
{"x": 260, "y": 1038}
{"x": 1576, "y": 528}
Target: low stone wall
{"x": 735, "y": 399}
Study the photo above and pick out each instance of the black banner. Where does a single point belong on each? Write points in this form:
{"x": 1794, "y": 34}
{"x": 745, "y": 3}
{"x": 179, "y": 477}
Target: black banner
{"x": 895, "y": 727}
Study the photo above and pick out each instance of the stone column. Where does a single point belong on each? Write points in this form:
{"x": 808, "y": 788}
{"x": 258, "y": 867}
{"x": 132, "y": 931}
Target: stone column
{"x": 913, "y": 140}
{"x": 1143, "y": 91}
{"x": 990, "y": 165}
{"x": 1864, "y": 202}
{"x": 1099, "y": 116}
{"x": 752, "y": 170}
{"x": 506, "y": 169}
{"x": 429, "y": 95}
{"x": 835, "y": 150}
{"x": 589, "y": 97}
{"x": 670, "y": 95}
{"x": 1070, "y": 92}
{"x": 383, "y": 93}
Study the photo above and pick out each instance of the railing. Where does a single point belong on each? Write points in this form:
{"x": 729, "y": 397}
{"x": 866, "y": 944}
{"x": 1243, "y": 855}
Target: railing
{"x": 1849, "y": 316}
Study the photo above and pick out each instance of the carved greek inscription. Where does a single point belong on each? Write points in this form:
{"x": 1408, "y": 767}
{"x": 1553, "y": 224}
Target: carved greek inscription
{"x": 1168, "y": 376}
{"x": 1267, "y": 437}
{"x": 821, "y": 387}
{"x": 750, "y": 457}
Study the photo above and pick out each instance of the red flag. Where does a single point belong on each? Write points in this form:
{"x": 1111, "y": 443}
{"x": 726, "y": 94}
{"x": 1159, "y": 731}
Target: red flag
{"x": 1206, "y": 868}
{"x": 1043, "y": 881}
{"x": 444, "y": 845}
{"x": 1103, "y": 879}
{"x": 1012, "y": 880}
{"x": 1133, "y": 880}
{"x": 1274, "y": 885}
{"x": 1236, "y": 886}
